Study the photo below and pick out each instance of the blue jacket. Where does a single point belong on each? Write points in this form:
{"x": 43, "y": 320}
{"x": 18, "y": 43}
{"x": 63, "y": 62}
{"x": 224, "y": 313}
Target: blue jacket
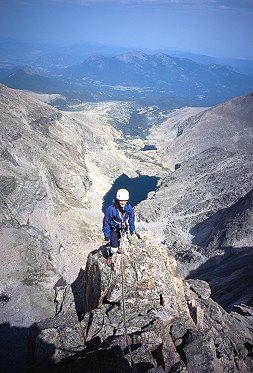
{"x": 113, "y": 220}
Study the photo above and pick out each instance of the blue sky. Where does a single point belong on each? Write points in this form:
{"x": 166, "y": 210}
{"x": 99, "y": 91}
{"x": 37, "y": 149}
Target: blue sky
{"x": 214, "y": 27}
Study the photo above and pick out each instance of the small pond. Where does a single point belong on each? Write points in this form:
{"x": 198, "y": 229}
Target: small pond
{"x": 138, "y": 188}
{"x": 149, "y": 147}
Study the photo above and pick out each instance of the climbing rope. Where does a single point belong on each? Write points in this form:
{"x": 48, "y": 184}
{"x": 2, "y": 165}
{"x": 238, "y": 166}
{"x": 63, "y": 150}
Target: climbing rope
{"x": 122, "y": 244}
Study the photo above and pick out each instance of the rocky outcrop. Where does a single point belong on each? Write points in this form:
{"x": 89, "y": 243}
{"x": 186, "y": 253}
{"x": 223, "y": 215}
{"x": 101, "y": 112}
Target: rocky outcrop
{"x": 161, "y": 323}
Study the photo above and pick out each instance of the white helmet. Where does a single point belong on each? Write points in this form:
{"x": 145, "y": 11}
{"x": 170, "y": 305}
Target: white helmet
{"x": 122, "y": 195}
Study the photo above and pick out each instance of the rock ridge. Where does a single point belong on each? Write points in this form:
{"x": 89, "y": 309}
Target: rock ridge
{"x": 172, "y": 324}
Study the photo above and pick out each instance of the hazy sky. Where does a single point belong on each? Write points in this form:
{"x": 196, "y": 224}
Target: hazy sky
{"x": 215, "y": 27}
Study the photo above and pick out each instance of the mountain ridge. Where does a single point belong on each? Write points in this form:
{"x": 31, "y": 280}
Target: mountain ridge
{"x": 140, "y": 76}
{"x": 16, "y": 49}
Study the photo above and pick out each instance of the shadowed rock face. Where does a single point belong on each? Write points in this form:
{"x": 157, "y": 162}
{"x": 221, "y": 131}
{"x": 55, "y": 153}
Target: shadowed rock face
{"x": 230, "y": 273}
{"x": 234, "y": 226}
{"x": 172, "y": 325}
{"x": 230, "y": 276}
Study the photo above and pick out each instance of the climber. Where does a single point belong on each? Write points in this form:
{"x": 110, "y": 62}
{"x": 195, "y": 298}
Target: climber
{"x": 118, "y": 219}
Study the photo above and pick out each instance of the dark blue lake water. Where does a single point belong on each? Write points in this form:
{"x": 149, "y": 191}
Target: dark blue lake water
{"x": 138, "y": 188}
{"x": 149, "y": 147}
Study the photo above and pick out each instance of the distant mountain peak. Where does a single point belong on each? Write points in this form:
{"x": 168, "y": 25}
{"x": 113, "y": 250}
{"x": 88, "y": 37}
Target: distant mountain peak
{"x": 166, "y": 59}
{"x": 130, "y": 56}
{"x": 162, "y": 55}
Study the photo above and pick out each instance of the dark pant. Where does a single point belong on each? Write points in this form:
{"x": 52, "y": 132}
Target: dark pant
{"x": 114, "y": 238}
